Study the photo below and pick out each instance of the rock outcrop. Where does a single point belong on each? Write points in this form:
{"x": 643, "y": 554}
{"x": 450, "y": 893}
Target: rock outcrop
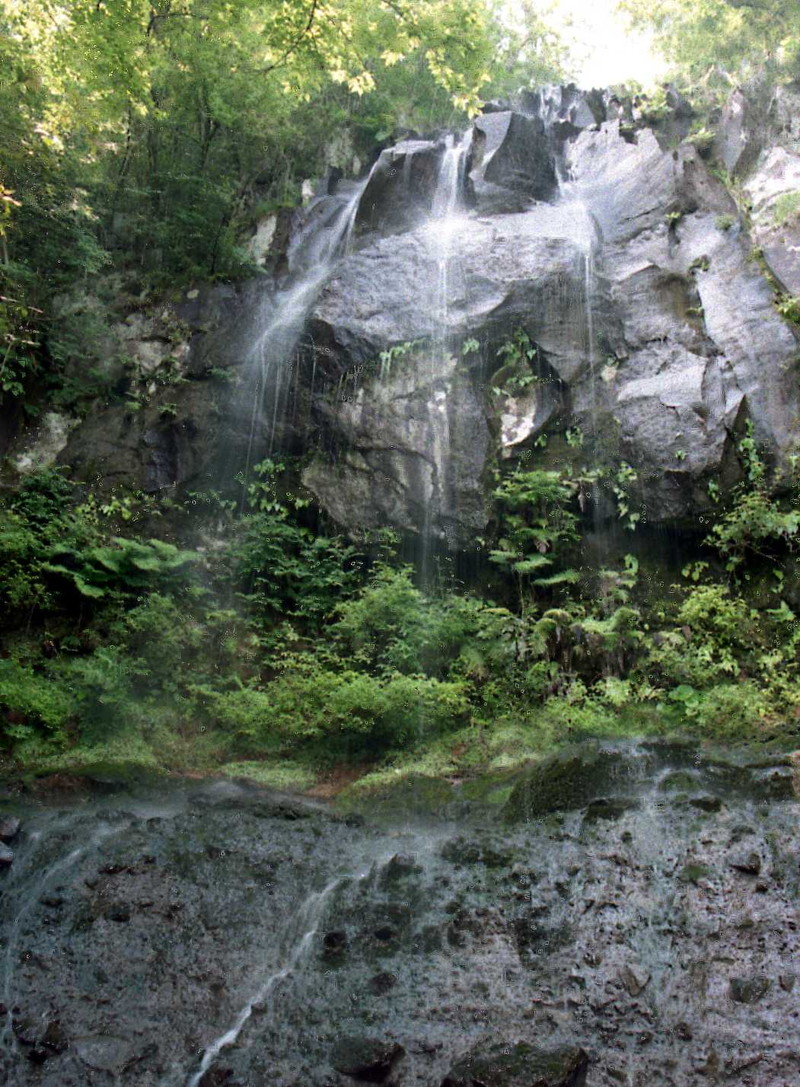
{"x": 654, "y": 330}
{"x": 651, "y": 327}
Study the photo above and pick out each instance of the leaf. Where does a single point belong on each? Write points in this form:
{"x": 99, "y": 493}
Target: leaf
{"x": 531, "y": 565}
{"x": 567, "y": 577}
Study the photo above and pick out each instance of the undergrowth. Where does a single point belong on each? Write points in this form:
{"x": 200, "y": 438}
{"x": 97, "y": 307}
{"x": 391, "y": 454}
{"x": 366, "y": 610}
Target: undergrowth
{"x": 287, "y": 652}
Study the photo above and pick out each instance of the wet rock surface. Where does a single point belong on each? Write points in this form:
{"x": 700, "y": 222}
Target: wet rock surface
{"x": 635, "y": 279}
{"x": 139, "y": 931}
{"x": 610, "y": 240}
{"x": 520, "y": 1065}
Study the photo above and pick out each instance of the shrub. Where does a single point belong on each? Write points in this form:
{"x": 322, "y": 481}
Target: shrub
{"x": 32, "y": 701}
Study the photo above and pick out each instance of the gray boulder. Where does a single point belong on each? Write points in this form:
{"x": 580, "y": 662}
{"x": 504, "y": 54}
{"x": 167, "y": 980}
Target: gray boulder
{"x": 9, "y": 827}
{"x": 400, "y": 191}
{"x": 513, "y": 152}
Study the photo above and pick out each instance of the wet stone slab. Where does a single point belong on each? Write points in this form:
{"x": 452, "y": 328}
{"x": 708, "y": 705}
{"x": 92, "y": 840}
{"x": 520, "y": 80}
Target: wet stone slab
{"x": 226, "y": 936}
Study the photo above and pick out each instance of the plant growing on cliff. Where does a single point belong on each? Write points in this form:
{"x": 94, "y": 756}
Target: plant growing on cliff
{"x": 536, "y": 526}
{"x": 755, "y": 525}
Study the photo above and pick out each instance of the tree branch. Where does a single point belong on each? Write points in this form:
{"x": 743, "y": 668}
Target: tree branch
{"x": 285, "y": 56}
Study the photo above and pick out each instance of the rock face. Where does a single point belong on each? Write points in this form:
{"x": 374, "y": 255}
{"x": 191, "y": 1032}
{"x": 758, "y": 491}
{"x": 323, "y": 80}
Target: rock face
{"x": 511, "y": 153}
{"x": 400, "y": 192}
{"x": 140, "y": 929}
{"x": 367, "y": 1060}
{"x": 651, "y": 327}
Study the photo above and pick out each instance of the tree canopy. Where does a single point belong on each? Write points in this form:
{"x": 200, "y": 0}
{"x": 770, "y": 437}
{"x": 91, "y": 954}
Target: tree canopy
{"x": 167, "y": 114}
{"x": 728, "y": 37}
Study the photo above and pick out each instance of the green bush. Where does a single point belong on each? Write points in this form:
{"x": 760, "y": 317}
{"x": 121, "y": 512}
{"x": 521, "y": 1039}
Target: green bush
{"x": 283, "y": 569}
{"x": 536, "y": 527}
{"x": 32, "y": 701}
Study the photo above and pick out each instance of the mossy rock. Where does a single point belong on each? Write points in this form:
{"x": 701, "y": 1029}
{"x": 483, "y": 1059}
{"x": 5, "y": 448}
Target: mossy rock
{"x": 694, "y": 873}
{"x": 680, "y": 781}
{"x": 749, "y": 990}
{"x": 566, "y": 781}
{"x": 464, "y": 852}
{"x": 609, "y": 808}
{"x": 520, "y": 1065}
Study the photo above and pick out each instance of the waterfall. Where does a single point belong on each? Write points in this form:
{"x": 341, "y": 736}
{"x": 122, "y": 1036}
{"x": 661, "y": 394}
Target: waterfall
{"x": 308, "y": 919}
{"x": 586, "y": 235}
{"x": 268, "y": 366}
{"x": 446, "y": 220}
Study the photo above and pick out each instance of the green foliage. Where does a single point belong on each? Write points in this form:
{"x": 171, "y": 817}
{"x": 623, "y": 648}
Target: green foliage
{"x": 280, "y": 567}
{"x": 788, "y": 307}
{"x": 151, "y": 126}
{"x": 35, "y": 522}
{"x": 621, "y": 480}
{"x": 103, "y": 685}
{"x": 754, "y": 524}
{"x": 125, "y": 566}
{"x": 536, "y": 527}
{"x": 722, "y": 38}
{"x": 335, "y": 710}
{"x": 147, "y": 136}
{"x": 32, "y": 700}
{"x": 786, "y": 208}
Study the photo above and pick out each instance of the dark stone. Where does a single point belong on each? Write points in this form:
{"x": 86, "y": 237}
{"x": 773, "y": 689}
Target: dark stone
{"x": 215, "y": 1077}
{"x": 6, "y": 856}
{"x": 679, "y": 105}
{"x": 117, "y": 911}
{"x": 382, "y": 983}
{"x": 775, "y": 783}
{"x": 521, "y": 155}
{"x": 466, "y": 851}
{"x": 400, "y": 191}
{"x": 634, "y": 978}
{"x": 519, "y": 1065}
{"x": 399, "y": 867}
{"x": 608, "y": 808}
{"x": 385, "y": 933}
{"x": 368, "y": 1060}
{"x": 9, "y": 827}
{"x": 54, "y": 1037}
{"x": 533, "y": 938}
{"x": 706, "y": 802}
{"x": 334, "y": 943}
{"x": 740, "y": 132}
{"x": 44, "y": 1038}
{"x": 749, "y": 990}
{"x": 749, "y": 865}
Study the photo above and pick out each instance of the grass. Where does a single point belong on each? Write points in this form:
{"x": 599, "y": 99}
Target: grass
{"x": 786, "y": 208}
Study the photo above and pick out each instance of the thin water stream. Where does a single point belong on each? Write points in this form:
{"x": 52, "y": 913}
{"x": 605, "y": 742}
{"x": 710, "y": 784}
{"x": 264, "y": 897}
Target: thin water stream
{"x": 268, "y": 367}
{"x": 445, "y": 222}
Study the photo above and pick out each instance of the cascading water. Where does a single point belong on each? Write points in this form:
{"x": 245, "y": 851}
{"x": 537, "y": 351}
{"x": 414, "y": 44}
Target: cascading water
{"x": 586, "y": 235}
{"x": 616, "y": 914}
{"x": 446, "y": 220}
{"x": 267, "y": 371}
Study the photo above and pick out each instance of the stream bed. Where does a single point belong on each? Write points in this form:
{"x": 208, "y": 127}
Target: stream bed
{"x": 621, "y": 915}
